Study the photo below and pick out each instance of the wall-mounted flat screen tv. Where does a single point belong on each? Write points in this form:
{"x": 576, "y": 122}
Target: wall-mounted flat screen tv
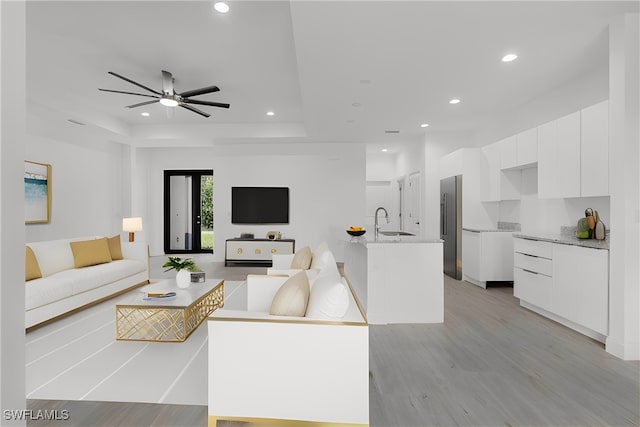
{"x": 259, "y": 205}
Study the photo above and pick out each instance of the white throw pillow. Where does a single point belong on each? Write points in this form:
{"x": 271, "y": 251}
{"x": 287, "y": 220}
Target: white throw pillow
{"x": 329, "y": 299}
{"x": 325, "y": 265}
{"x": 292, "y": 297}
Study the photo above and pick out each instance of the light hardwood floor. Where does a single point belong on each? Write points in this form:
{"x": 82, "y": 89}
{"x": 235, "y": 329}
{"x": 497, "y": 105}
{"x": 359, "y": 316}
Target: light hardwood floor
{"x": 491, "y": 363}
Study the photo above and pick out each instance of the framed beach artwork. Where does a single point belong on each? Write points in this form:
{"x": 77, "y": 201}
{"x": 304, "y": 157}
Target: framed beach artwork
{"x": 37, "y": 192}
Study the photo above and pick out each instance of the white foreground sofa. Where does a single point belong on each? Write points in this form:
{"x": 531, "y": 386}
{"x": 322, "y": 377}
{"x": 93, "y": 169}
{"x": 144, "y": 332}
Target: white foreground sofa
{"x": 63, "y": 288}
{"x": 288, "y": 370}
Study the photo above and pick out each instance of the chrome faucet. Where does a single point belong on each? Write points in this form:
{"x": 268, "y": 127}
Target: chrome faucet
{"x": 377, "y": 227}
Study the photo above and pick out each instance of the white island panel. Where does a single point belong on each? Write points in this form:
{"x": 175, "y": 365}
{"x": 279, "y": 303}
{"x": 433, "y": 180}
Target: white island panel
{"x": 401, "y": 282}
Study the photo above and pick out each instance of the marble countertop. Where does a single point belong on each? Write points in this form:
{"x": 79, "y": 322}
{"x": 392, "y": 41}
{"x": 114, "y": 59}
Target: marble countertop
{"x": 565, "y": 239}
{"x": 487, "y": 230}
{"x": 391, "y": 240}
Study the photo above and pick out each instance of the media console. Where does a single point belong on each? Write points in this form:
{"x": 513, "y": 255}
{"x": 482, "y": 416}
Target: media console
{"x": 240, "y": 251}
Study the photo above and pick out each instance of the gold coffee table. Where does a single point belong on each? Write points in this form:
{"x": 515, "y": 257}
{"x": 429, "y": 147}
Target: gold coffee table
{"x": 168, "y": 319}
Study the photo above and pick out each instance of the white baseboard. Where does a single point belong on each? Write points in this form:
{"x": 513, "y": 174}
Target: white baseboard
{"x": 630, "y": 351}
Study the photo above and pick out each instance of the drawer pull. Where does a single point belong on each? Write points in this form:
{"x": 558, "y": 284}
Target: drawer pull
{"x": 239, "y": 251}
{"x": 532, "y": 256}
{"x": 273, "y": 250}
{"x": 529, "y": 271}
{"x": 258, "y": 251}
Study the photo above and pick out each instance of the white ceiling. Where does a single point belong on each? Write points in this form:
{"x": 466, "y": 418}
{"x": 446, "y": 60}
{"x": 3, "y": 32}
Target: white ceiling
{"x": 310, "y": 62}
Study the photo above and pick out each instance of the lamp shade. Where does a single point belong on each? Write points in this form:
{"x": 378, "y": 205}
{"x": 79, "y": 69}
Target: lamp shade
{"x": 132, "y": 224}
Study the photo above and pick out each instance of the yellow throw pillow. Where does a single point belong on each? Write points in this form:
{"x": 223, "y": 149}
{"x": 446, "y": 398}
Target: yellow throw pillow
{"x": 302, "y": 259}
{"x": 90, "y": 252}
{"x": 32, "y": 269}
{"x": 115, "y": 249}
{"x": 292, "y": 297}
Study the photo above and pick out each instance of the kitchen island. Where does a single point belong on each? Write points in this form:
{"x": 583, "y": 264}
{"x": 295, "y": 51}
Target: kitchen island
{"x": 397, "y": 281}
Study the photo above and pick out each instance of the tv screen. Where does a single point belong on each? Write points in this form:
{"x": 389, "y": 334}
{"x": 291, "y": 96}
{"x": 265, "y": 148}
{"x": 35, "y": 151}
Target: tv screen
{"x": 259, "y": 205}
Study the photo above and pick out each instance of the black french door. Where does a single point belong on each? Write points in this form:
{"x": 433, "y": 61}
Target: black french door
{"x": 188, "y": 211}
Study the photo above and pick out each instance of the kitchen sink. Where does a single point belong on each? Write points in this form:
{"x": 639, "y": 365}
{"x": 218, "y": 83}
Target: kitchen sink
{"x": 395, "y": 233}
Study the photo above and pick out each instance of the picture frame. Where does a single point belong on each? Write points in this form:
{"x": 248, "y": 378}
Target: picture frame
{"x": 37, "y": 192}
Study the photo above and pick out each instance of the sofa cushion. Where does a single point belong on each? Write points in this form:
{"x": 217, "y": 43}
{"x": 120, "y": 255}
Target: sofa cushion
{"x": 329, "y": 299}
{"x": 88, "y": 278}
{"x": 39, "y": 292}
{"x": 292, "y": 297}
{"x": 115, "y": 248}
{"x": 31, "y": 267}
{"x": 302, "y": 259}
{"x": 53, "y": 256}
{"x": 90, "y": 252}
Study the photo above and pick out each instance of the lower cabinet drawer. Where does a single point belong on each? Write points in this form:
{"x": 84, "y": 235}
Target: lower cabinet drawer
{"x": 534, "y": 247}
{"x": 534, "y": 288}
{"x": 533, "y": 263}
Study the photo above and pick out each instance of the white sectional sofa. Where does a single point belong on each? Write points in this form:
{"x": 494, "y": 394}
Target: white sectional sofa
{"x": 291, "y": 370}
{"x": 64, "y": 288}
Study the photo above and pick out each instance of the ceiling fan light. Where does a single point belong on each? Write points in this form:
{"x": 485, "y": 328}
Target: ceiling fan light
{"x": 168, "y": 102}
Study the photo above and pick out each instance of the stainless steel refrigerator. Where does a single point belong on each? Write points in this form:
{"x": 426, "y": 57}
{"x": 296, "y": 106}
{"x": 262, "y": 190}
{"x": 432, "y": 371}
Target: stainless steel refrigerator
{"x": 451, "y": 224}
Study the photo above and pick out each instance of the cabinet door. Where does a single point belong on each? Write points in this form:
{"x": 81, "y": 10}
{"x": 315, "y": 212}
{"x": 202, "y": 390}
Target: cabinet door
{"x": 568, "y": 156}
{"x": 594, "y": 152}
{"x": 581, "y": 286}
{"x": 559, "y": 158}
{"x": 547, "y": 153}
{"x": 471, "y": 264}
{"x": 497, "y": 256}
{"x": 508, "y": 152}
{"x": 471, "y": 251}
{"x": 527, "y": 147}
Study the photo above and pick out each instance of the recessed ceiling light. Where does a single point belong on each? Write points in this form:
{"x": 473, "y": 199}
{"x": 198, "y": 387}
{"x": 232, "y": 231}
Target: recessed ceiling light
{"x": 424, "y": 125}
{"x": 145, "y": 114}
{"x": 384, "y": 150}
{"x": 510, "y": 57}
{"x": 270, "y": 113}
{"x": 454, "y": 101}
{"x": 221, "y": 7}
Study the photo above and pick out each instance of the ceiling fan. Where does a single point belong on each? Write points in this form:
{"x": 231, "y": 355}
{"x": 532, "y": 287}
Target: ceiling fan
{"x": 169, "y": 97}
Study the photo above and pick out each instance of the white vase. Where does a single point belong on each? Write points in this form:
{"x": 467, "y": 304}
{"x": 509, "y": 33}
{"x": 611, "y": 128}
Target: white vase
{"x": 183, "y": 278}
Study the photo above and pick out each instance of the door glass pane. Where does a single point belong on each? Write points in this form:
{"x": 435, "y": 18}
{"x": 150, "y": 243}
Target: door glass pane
{"x": 206, "y": 209}
{"x": 180, "y": 210}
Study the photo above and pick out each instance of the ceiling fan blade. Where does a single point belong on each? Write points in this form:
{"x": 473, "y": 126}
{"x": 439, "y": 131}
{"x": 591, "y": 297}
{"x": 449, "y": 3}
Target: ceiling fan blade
{"x": 195, "y": 110}
{"x": 143, "y": 103}
{"x": 202, "y": 91}
{"x": 167, "y": 83}
{"x": 135, "y": 83}
{"x": 128, "y": 93}
{"x": 209, "y": 103}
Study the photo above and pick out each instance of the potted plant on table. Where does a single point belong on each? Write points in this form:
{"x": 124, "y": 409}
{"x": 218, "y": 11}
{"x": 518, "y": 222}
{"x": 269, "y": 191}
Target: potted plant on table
{"x": 183, "y": 267}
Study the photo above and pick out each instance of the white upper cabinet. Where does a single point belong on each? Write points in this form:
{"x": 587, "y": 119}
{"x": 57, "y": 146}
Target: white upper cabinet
{"x": 527, "y": 147}
{"x": 594, "y": 155}
{"x": 573, "y": 154}
{"x": 508, "y": 152}
{"x": 559, "y": 158}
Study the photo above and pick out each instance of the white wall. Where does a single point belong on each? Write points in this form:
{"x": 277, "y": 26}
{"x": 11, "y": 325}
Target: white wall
{"x": 381, "y": 191}
{"x": 12, "y": 125}
{"x": 87, "y": 188}
{"x": 326, "y": 182}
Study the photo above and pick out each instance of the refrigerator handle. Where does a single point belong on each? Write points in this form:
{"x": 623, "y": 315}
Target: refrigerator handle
{"x": 443, "y": 208}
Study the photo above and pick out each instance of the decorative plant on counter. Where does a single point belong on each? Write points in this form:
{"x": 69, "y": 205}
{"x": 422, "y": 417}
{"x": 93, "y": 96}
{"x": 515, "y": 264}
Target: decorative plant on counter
{"x": 177, "y": 263}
